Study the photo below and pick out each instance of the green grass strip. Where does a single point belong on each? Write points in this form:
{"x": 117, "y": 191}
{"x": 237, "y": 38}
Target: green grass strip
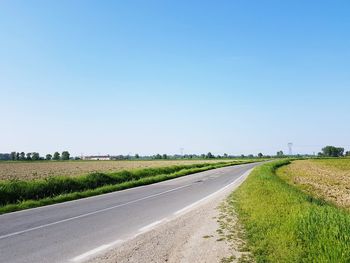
{"x": 285, "y": 225}
{"x": 136, "y": 178}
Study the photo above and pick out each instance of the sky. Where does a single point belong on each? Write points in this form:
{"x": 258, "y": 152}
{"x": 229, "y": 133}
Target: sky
{"x": 126, "y": 77}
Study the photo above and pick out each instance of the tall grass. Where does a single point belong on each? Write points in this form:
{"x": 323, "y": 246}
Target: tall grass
{"x": 284, "y": 224}
{"x": 17, "y": 195}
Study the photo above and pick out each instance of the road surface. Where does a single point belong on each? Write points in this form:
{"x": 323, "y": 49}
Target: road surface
{"x": 76, "y": 230}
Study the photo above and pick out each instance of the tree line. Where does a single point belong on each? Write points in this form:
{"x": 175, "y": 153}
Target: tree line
{"x": 65, "y": 155}
{"x": 332, "y": 151}
{"x": 328, "y": 151}
{"x": 34, "y": 156}
{"x": 208, "y": 155}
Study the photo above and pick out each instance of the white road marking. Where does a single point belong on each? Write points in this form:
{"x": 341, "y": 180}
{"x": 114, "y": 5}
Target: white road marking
{"x": 95, "y": 251}
{"x": 90, "y": 253}
{"x": 91, "y": 213}
{"x": 99, "y": 249}
{"x": 151, "y": 226}
{"x": 187, "y": 208}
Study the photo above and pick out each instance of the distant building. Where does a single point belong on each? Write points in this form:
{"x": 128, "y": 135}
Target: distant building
{"x": 97, "y": 158}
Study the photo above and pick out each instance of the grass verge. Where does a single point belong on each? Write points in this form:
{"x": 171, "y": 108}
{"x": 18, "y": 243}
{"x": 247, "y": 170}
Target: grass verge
{"x": 19, "y": 195}
{"x": 284, "y": 224}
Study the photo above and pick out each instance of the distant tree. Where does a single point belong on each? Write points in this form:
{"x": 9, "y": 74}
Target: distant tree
{"x": 165, "y": 156}
{"x": 22, "y": 156}
{"x": 56, "y": 156}
{"x": 202, "y": 155}
{"x": 260, "y": 155}
{"x": 137, "y": 156}
{"x": 17, "y": 156}
{"x": 210, "y": 155}
{"x": 5, "y": 156}
{"x": 28, "y": 156}
{"x": 13, "y": 156}
{"x": 158, "y": 156}
{"x": 225, "y": 155}
{"x": 242, "y": 156}
{"x": 35, "y": 156}
{"x": 65, "y": 155}
{"x": 332, "y": 151}
{"x": 347, "y": 153}
{"x": 48, "y": 157}
{"x": 320, "y": 154}
{"x": 280, "y": 154}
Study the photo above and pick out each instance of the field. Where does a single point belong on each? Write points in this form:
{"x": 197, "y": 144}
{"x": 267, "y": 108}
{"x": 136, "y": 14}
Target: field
{"x": 327, "y": 179}
{"x": 285, "y": 223}
{"x": 44, "y": 169}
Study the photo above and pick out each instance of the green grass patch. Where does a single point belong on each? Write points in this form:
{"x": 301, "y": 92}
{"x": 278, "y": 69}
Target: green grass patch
{"x": 283, "y": 224}
{"x": 20, "y": 194}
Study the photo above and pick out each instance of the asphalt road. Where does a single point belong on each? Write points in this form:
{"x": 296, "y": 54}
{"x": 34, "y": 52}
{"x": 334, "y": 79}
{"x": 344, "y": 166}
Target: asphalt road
{"x": 76, "y": 230}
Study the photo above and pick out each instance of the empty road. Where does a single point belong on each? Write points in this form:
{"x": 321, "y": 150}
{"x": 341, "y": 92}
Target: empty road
{"x": 76, "y": 230}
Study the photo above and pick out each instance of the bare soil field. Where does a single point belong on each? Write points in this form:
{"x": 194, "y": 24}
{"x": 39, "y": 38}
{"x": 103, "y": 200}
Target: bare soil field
{"x": 44, "y": 169}
{"x": 327, "y": 179}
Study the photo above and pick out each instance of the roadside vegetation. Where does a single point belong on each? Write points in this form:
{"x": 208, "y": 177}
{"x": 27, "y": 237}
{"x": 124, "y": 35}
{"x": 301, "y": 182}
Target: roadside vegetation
{"x": 285, "y": 223}
{"x": 232, "y": 231}
{"x": 22, "y": 194}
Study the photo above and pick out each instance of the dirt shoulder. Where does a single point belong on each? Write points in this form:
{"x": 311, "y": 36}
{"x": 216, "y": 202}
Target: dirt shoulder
{"x": 197, "y": 236}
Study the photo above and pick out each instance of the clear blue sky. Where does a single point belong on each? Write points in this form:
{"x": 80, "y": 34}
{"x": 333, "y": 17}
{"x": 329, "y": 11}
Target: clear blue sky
{"x": 145, "y": 77}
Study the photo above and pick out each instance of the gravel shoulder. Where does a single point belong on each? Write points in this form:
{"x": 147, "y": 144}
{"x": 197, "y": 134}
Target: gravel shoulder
{"x": 200, "y": 235}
